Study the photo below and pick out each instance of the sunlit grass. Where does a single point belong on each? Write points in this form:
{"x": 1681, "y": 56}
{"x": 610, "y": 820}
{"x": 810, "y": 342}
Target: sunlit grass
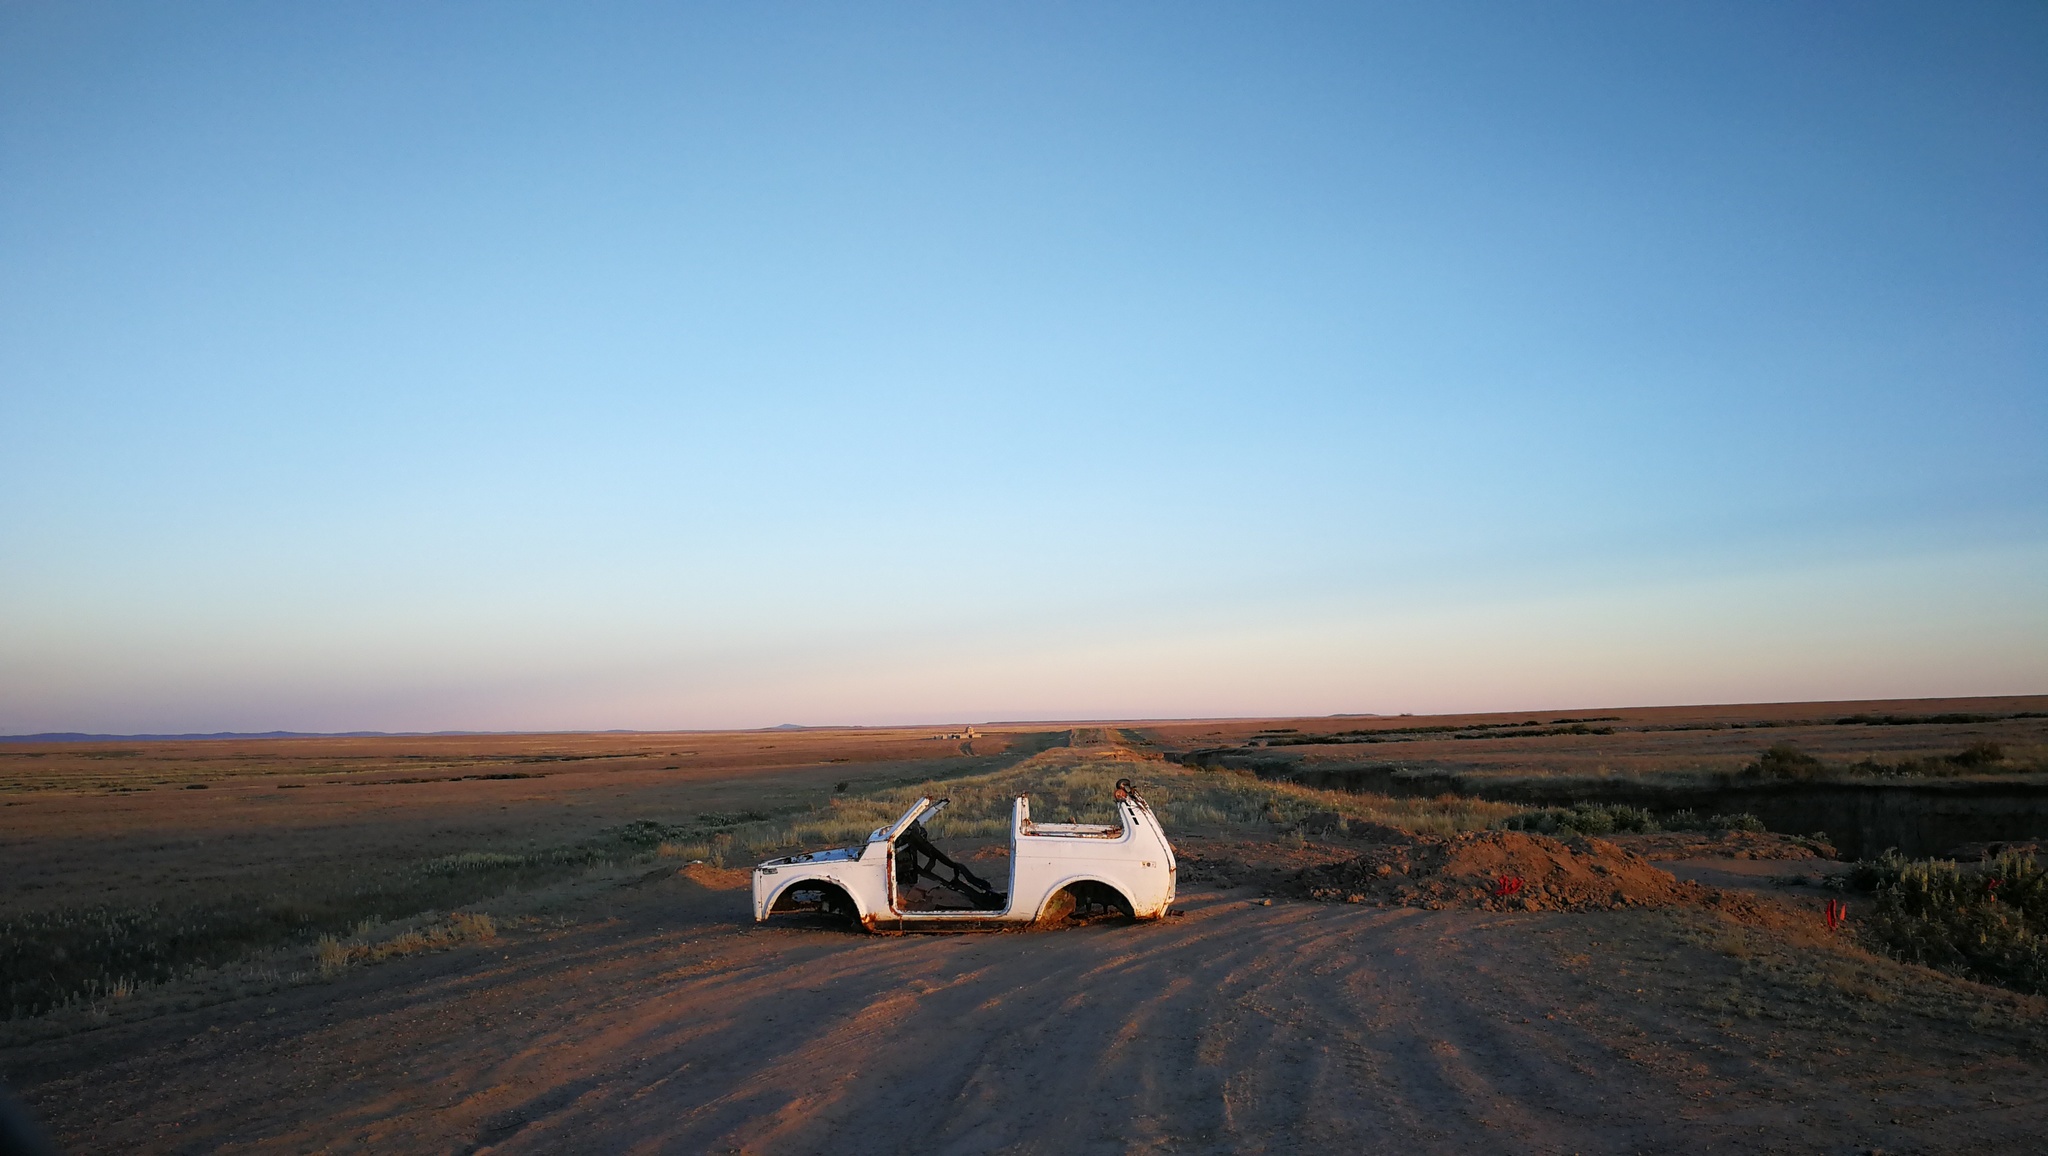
{"x": 1077, "y": 789}
{"x": 333, "y": 954}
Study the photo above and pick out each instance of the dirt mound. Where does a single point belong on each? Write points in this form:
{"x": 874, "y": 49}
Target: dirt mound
{"x": 717, "y": 878}
{"x": 1499, "y": 871}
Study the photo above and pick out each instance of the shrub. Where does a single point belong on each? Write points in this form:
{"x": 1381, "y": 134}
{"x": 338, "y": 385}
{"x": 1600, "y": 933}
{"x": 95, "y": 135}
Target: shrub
{"x": 1584, "y": 819}
{"x": 1988, "y": 922}
{"x": 1978, "y": 755}
{"x": 1689, "y": 821}
{"x": 1786, "y": 761}
{"x": 1973, "y": 758}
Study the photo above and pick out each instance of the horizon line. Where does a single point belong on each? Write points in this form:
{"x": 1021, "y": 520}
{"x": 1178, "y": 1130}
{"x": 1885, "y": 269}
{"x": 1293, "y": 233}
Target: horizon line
{"x": 83, "y": 736}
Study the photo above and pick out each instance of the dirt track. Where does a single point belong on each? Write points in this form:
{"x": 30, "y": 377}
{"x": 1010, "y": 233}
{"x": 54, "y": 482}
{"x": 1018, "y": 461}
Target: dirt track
{"x": 656, "y": 1017}
{"x": 668, "y": 1023}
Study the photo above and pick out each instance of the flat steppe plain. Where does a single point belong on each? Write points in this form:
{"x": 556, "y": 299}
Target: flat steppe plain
{"x": 631, "y": 1008}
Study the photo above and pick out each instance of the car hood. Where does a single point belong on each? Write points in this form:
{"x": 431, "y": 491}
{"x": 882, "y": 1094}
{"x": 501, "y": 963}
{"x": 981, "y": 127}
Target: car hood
{"x": 843, "y": 855}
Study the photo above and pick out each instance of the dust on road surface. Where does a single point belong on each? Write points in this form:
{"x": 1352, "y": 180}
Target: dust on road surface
{"x": 668, "y": 1022}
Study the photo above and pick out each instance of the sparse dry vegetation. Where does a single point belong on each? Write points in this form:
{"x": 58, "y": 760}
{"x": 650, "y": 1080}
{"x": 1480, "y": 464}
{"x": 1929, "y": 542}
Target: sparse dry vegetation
{"x": 333, "y": 954}
{"x": 1805, "y": 976}
{"x": 568, "y": 930}
{"x": 1077, "y": 788}
{"x": 1975, "y": 759}
{"x": 1786, "y": 761}
{"x": 68, "y": 956}
{"x": 1615, "y": 818}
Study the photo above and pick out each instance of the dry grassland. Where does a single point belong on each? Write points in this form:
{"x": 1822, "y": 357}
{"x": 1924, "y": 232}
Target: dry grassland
{"x": 541, "y": 943}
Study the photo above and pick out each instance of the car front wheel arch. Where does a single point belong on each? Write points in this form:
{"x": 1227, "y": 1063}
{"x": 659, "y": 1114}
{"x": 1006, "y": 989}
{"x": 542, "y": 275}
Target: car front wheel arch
{"x": 815, "y": 898}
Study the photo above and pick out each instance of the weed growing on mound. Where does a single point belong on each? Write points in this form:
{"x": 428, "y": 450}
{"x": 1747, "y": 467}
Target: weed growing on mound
{"x": 1988, "y": 922}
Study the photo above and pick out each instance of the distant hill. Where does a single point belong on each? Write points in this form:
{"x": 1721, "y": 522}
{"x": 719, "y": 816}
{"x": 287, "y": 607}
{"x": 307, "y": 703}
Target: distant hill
{"x": 76, "y": 737}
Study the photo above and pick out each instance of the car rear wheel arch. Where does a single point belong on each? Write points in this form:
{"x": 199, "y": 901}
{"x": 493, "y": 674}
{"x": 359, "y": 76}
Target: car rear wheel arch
{"x": 1085, "y": 899}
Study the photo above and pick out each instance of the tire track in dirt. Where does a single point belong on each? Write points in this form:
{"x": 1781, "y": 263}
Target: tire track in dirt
{"x": 674, "y": 1026}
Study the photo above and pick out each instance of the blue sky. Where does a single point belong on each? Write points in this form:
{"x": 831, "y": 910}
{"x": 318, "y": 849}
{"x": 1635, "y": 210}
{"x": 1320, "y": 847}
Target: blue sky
{"x": 531, "y": 367}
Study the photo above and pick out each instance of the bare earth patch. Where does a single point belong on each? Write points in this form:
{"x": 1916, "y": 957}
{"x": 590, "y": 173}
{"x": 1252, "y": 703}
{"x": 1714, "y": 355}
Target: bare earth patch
{"x": 1497, "y": 871}
{"x": 666, "y": 1022}
{"x": 1723, "y": 845}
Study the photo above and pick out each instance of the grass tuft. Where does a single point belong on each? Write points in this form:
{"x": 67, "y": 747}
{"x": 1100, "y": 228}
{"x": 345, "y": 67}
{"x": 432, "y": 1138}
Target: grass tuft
{"x": 333, "y": 955}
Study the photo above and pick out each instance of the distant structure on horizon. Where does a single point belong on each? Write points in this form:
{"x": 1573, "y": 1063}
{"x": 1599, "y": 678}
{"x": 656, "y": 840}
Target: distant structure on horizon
{"x": 964, "y": 733}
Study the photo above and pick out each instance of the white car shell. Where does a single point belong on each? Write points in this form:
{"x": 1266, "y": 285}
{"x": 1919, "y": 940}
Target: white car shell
{"x": 1048, "y": 863}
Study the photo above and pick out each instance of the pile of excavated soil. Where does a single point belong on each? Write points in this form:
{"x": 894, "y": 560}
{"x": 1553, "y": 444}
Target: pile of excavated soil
{"x": 717, "y": 878}
{"x": 1499, "y": 871}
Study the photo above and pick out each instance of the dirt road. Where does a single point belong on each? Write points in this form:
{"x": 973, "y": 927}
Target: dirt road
{"x": 667, "y": 1022}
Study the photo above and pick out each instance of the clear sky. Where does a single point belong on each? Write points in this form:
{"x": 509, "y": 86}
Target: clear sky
{"x": 534, "y": 366}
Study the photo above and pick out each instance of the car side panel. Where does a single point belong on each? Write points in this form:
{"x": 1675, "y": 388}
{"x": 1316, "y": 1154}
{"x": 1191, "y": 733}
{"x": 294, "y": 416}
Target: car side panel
{"x": 1137, "y": 861}
{"x": 864, "y": 881}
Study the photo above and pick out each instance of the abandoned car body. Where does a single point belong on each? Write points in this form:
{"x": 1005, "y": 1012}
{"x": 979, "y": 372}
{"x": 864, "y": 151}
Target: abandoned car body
{"x": 1056, "y": 870}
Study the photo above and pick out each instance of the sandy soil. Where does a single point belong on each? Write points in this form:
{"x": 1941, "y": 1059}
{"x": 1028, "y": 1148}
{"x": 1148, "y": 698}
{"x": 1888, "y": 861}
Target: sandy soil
{"x": 652, "y": 1015}
{"x": 1499, "y": 871}
{"x": 667, "y": 1022}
